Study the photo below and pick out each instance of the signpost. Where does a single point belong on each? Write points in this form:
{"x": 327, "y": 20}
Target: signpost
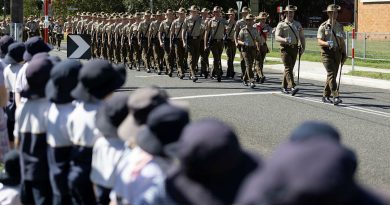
{"x": 239, "y": 5}
{"x": 79, "y": 46}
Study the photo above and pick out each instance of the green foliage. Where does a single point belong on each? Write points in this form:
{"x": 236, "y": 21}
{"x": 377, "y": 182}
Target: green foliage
{"x": 348, "y": 28}
{"x": 31, "y": 7}
{"x": 163, "y": 5}
{"x": 376, "y": 75}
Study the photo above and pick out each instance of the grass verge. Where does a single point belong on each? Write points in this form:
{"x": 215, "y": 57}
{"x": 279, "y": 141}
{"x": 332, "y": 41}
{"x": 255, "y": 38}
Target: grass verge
{"x": 376, "y": 75}
{"x": 316, "y": 57}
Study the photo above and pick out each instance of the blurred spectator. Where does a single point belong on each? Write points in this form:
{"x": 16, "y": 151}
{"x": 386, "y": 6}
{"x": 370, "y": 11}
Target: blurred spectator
{"x": 10, "y": 180}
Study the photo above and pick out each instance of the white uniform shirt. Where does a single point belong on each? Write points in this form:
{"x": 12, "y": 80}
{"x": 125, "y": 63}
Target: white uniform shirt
{"x": 10, "y": 74}
{"x": 9, "y": 195}
{"x": 81, "y": 124}
{"x": 57, "y": 118}
{"x": 106, "y": 154}
{"x": 21, "y": 80}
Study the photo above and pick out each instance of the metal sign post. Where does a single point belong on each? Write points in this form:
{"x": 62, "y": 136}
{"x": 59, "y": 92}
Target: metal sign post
{"x": 239, "y": 5}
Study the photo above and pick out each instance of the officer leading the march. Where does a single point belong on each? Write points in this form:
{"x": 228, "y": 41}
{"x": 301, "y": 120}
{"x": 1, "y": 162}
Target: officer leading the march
{"x": 331, "y": 40}
{"x": 289, "y": 33}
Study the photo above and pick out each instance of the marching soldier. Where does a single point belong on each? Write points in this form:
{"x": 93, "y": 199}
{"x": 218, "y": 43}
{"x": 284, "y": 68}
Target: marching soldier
{"x": 111, "y": 38}
{"x": 58, "y": 31}
{"x": 230, "y": 45}
{"x": 177, "y": 42}
{"x": 263, "y": 28}
{"x": 143, "y": 30}
{"x": 331, "y": 40}
{"x": 204, "y": 52}
{"x": 128, "y": 20}
{"x": 155, "y": 43}
{"x": 289, "y": 33}
{"x": 239, "y": 25}
{"x": 135, "y": 49}
{"x": 215, "y": 31}
{"x": 68, "y": 25}
{"x": 117, "y": 38}
{"x": 105, "y": 33}
{"x": 191, "y": 39}
{"x": 249, "y": 40}
{"x": 96, "y": 31}
{"x": 165, "y": 41}
{"x": 32, "y": 27}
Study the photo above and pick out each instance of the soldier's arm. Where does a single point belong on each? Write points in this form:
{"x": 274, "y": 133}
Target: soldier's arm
{"x": 139, "y": 34}
{"x": 302, "y": 38}
{"x": 236, "y": 32}
{"x": 206, "y": 33}
{"x": 160, "y": 30}
{"x": 240, "y": 38}
{"x": 320, "y": 37}
{"x": 183, "y": 32}
{"x": 278, "y": 34}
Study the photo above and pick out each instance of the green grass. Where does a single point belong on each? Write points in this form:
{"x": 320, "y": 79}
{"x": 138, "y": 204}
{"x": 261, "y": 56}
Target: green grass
{"x": 1, "y": 167}
{"x": 376, "y": 75}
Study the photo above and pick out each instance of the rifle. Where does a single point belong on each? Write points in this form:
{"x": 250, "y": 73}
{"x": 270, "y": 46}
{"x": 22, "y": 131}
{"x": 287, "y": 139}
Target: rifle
{"x": 299, "y": 61}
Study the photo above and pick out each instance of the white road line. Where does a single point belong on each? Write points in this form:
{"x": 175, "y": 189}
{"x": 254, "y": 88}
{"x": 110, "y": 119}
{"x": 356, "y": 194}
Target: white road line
{"x": 353, "y": 108}
{"x": 222, "y": 95}
{"x": 349, "y": 107}
{"x": 150, "y": 76}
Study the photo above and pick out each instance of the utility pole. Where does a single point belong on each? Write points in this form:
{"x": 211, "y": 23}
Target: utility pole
{"x": 355, "y": 15}
{"x": 17, "y": 20}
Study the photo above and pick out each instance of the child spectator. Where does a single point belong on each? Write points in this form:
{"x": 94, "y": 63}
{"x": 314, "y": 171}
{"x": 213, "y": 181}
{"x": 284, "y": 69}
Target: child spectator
{"x": 97, "y": 80}
{"x": 63, "y": 79}
{"x": 10, "y": 180}
{"x": 30, "y": 130}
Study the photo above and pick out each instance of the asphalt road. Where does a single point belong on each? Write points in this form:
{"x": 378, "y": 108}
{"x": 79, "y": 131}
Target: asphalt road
{"x": 263, "y": 117}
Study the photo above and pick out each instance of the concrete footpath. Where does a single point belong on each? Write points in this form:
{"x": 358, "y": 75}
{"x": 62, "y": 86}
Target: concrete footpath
{"x": 316, "y": 71}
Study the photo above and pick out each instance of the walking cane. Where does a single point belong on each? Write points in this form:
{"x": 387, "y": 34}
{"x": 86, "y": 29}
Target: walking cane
{"x": 341, "y": 71}
{"x": 299, "y": 62}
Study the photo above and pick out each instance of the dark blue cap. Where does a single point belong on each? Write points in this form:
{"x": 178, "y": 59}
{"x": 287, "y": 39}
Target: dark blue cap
{"x": 63, "y": 79}
{"x": 111, "y": 114}
{"x": 98, "y": 78}
{"x": 312, "y": 129}
{"x": 15, "y": 53}
{"x": 35, "y": 45}
{"x": 163, "y": 127}
{"x": 5, "y": 42}
{"x": 37, "y": 75}
{"x": 11, "y": 174}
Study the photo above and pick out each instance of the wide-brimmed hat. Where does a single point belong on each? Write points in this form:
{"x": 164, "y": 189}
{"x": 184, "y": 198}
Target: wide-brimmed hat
{"x": 5, "y": 42}
{"x": 262, "y": 15}
{"x": 290, "y": 8}
{"x": 97, "y": 79}
{"x": 63, "y": 79}
{"x": 140, "y": 104}
{"x": 193, "y": 8}
{"x": 111, "y": 114}
{"x": 231, "y": 11}
{"x": 37, "y": 75}
{"x": 15, "y": 53}
{"x": 312, "y": 129}
{"x": 217, "y": 9}
{"x": 205, "y": 10}
{"x": 317, "y": 170}
{"x": 147, "y": 13}
{"x": 11, "y": 174}
{"x": 245, "y": 10}
{"x": 250, "y": 17}
{"x": 163, "y": 127}
{"x": 169, "y": 11}
{"x": 213, "y": 165}
{"x": 332, "y": 7}
{"x": 159, "y": 13}
{"x": 181, "y": 10}
{"x": 35, "y": 45}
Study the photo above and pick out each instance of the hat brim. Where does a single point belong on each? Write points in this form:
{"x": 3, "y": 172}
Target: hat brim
{"x": 128, "y": 129}
{"x": 105, "y": 127}
{"x": 7, "y": 180}
{"x": 53, "y": 94}
{"x": 290, "y": 10}
{"x": 181, "y": 185}
{"x": 9, "y": 60}
{"x": 149, "y": 142}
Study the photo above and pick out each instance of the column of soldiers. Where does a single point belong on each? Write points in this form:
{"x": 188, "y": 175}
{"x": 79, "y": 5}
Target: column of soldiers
{"x": 182, "y": 40}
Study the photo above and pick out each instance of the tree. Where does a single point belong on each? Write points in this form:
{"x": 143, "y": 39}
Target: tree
{"x": 139, "y": 5}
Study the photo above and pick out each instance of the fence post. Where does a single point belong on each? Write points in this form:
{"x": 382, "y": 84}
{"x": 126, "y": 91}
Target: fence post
{"x": 364, "y": 45}
{"x": 347, "y": 43}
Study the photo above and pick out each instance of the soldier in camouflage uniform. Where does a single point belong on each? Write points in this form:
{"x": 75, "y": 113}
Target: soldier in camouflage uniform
{"x": 204, "y": 52}
{"x": 111, "y": 38}
{"x": 98, "y": 36}
{"x": 215, "y": 30}
{"x": 32, "y": 27}
{"x": 117, "y": 36}
{"x": 230, "y": 45}
{"x": 165, "y": 41}
{"x": 125, "y": 45}
{"x": 135, "y": 50}
{"x": 239, "y": 25}
{"x": 177, "y": 42}
{"x": 105, "y": 32}
{"x": 263, "y": 28}
{"x": 143, "y": 31}
{"x": 154, "y": 41}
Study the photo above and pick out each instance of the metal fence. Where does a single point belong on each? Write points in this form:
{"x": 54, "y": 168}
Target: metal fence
{"x": 368, "y": 46}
